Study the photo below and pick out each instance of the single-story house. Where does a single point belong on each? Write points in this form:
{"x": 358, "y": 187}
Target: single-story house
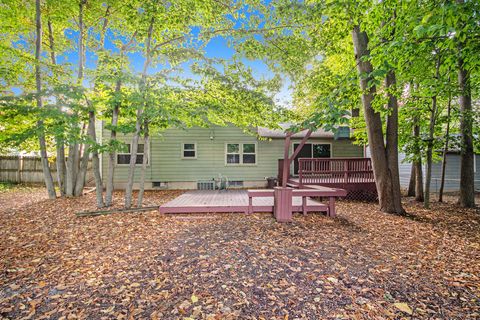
{"x": 196, "y": 157}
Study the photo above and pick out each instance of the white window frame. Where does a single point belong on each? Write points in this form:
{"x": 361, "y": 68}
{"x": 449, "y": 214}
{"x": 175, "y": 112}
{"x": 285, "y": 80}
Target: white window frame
{"x": 240, "y": 153}
{"x": 129, "y": 153}
{"x": 194, "y": 149}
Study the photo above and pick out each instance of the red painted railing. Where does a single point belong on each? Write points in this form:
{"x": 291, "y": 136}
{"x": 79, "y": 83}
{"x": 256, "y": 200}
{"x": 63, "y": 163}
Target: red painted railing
{"x": 335, "y": 170}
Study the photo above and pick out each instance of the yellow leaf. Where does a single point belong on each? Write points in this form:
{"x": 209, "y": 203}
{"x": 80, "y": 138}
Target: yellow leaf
{"x": 194, "y": 298}
{"x": 403, "y": 307}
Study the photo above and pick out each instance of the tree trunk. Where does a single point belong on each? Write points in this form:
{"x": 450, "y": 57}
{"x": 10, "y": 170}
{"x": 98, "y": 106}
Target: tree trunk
{"x": 381, "y": 171}
{"x": 59, "y": 142}
{"x": 72, "y": 166}
{"x": 138, "y": 124}
{"x": 82, "y": 171}
{"x": 146, "y": 150}
{"x": 112, "y": 154}
{"x": 96, "y": 162}
{"x": 467, "y": 174}
{"x": 38, "y": 80}
{"x": 417, "y": 163}
{"x": 392, "y": 141}
{"x": 411, "y": 184}
{"x": 431, "y": 132}
{"x": 445, "y": 150}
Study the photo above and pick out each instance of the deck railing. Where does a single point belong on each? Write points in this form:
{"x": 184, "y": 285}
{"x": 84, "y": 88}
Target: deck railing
{"x": 335, "y": 170}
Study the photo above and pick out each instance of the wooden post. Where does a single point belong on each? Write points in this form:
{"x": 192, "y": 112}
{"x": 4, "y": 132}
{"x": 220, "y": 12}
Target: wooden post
{"x": 300, "y": 173}
{"x": 283, "y": 204}
{"x": 304, "y": 205}
{"x": 250, "y": 204}
{"x": 331, "y": 207}
{"x": 286, "y": 162}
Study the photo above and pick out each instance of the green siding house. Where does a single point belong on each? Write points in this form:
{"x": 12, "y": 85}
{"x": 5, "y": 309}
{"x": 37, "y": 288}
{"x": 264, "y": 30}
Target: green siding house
{"x": 187, "y": 159}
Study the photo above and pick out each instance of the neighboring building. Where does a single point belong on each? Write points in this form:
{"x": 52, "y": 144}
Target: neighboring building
{"x": 183, "y": 159}
{"x": 452, "y": 172}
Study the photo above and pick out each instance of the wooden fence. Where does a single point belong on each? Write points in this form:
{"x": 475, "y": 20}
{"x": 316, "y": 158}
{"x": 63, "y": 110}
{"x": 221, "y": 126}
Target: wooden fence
{"x": 27, "y": 169}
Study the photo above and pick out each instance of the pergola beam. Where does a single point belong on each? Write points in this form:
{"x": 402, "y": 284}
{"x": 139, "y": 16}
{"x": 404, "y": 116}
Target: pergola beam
{"x": 288, "y": 160}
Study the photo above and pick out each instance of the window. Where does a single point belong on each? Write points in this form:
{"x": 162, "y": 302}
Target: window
{"x": 189, "y": 150}
{"x": 321, "y": 150}
{"x": 249, "y": 155}
{"x": 123, "y": 157}
{"x": 241, "y": 153}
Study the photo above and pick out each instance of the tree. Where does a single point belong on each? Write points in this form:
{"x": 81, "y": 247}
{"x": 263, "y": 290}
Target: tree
{"x": 38, "y": 79}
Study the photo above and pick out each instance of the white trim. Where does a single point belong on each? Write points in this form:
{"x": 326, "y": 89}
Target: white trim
{"x": 126, "y": 153}
{"x": 182, "y": 147}
{"x": 240, "y": 153}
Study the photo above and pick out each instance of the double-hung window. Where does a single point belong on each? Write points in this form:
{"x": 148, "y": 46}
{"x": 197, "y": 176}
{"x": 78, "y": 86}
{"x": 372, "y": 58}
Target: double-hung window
{"x": 241, "y": 153}
{"x": 189, "y": 150}
{"x": 123, "y": 157}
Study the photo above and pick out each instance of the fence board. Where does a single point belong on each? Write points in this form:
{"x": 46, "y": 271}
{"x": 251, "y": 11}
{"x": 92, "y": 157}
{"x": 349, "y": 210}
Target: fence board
{"x": 27, "y": 169}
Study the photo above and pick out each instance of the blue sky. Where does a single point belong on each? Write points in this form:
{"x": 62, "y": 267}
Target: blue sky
{"x": 216, "y": 48}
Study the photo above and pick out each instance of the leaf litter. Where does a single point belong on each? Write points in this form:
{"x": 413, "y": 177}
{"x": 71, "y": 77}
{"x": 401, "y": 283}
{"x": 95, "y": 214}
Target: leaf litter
{"x": 362, "y": 265}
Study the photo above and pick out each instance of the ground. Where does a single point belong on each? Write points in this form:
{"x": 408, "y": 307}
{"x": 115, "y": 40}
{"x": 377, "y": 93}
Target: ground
{"x": 362, "y": 265}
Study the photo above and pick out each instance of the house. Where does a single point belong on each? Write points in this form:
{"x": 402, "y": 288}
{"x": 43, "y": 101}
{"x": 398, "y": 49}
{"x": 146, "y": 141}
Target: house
{"x": 452, "y": 171}
{"x": 200, "y": 157}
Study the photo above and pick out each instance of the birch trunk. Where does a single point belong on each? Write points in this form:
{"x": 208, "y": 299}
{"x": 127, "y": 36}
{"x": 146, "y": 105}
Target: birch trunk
{"x": 38, "y": 80}
{"x": 380, "y": 162}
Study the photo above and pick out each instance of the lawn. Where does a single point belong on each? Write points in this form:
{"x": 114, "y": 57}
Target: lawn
{"x": 361, "y": 265}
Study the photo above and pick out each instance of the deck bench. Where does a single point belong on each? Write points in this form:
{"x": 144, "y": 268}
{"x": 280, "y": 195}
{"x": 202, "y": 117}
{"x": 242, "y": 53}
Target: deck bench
{"x": 330, "y": 193}
{"x": 257, "y": 193}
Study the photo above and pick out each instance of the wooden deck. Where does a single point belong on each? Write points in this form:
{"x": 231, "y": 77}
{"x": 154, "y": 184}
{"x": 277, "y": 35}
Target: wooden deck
{"x": 230, "y": 201}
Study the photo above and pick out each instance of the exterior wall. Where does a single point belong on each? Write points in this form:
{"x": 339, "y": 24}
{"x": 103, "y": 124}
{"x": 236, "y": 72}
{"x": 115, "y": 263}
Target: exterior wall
{"x": 452, "y": 172}
{"x": 167, "y": 164}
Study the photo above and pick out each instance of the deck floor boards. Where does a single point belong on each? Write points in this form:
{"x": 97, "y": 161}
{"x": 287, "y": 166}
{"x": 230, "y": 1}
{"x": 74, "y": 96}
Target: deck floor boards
{"x": 228, "y": 201}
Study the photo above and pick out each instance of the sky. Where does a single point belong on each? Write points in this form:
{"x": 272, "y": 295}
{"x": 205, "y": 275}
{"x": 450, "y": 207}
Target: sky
{"x": 216, "y": 48}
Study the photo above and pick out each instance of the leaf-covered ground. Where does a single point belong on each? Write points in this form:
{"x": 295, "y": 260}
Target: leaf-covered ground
{"x": 361, "y": 265}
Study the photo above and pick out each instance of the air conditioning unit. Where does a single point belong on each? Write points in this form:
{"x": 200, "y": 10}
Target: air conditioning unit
{"x": 206, "y": 185}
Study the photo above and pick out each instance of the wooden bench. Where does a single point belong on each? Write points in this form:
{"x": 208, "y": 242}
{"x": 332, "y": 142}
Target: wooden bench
{"x": 330, "y": 193}
{"x": 265, "y": 193}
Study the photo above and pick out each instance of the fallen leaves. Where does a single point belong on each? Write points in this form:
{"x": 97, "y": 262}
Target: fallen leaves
{"x": 362, "y": 265}
{"x": 403, "y": 307}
